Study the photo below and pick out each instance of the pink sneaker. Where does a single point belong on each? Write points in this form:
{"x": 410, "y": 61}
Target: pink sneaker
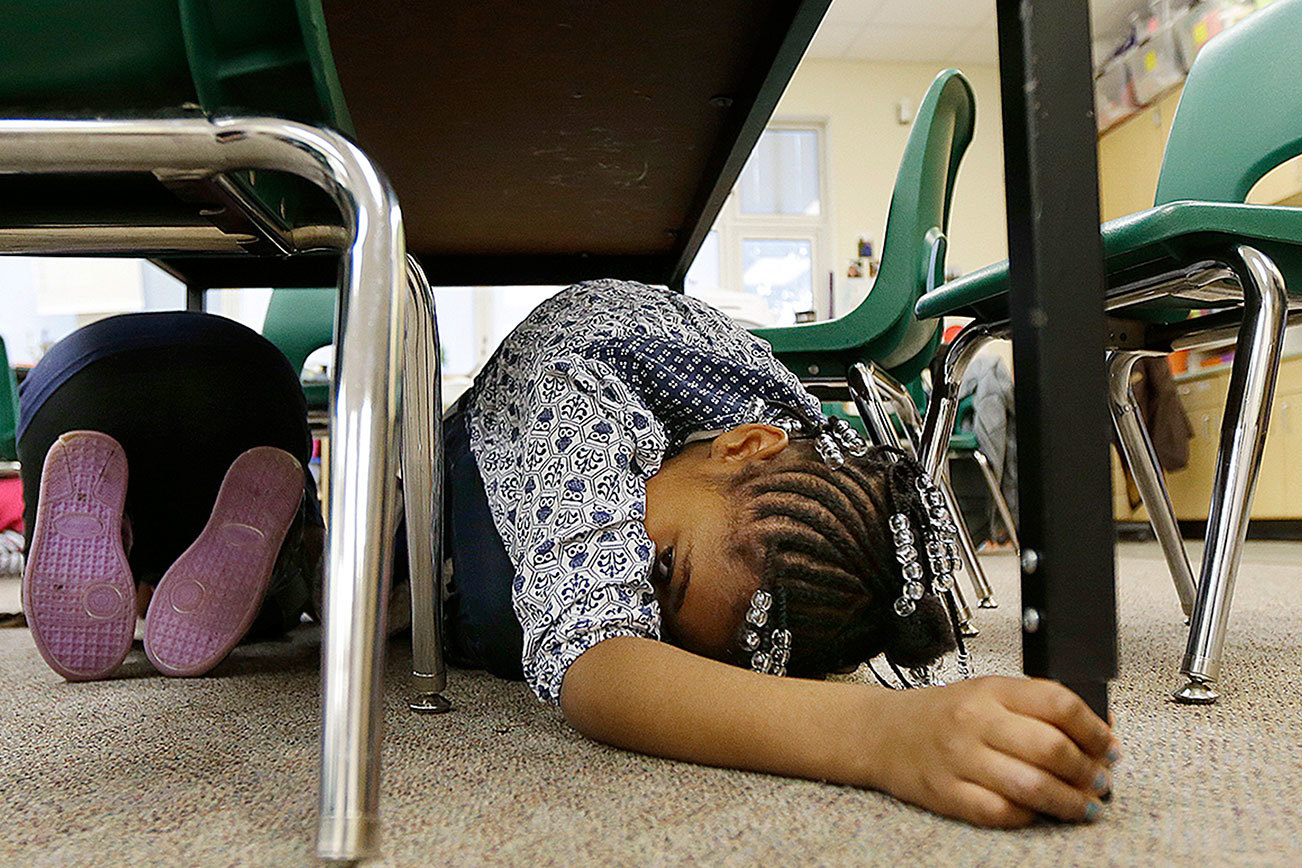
{"x": 207, "y": 600}
{"x": 78, "y": 592}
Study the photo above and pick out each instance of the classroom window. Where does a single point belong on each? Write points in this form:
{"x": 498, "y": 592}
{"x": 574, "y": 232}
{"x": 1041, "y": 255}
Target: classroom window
{"x": 767, "y": 258}
{"x": 780, "y": 272}
{"x": 781, "y": 176}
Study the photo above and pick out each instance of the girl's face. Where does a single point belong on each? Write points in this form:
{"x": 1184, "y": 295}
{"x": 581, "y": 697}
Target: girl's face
{"x": 701, "y": 585}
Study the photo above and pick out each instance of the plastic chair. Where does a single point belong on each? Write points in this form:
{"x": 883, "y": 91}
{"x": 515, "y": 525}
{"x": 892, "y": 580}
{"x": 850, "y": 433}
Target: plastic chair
{"x": 882, "y": 333}
{"x": 155, "y": 170}
{"x": 882, "y": 329}
{"x": 1200, "y": 247}
{"x": 8, "y": 408}
{"x": 299, "y": 322}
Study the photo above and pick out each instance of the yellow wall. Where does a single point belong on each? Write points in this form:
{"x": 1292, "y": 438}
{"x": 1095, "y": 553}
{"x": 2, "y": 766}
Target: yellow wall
{"x": 1130, "y": 157}
{"x": 865, "y": 141}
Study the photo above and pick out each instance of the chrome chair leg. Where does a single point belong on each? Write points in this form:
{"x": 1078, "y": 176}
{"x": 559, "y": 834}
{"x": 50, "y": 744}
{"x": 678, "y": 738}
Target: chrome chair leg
{"x": 863, "y": 388}
{"x": 997, "y": 497}
{"x": 942, "y": 409}
{"x": 1243, "y": 435}
{"x": 1140, "y": 455}
{"x": 422, "y": 490}
{"x": 364, "y": 399}
{"x": 976, "y": 573}
{"x": 890, "y": 390}
{"x": 870, "y": 382}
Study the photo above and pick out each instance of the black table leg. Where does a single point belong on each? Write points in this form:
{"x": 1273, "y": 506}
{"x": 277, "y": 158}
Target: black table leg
{"x": 1056, "y": 286}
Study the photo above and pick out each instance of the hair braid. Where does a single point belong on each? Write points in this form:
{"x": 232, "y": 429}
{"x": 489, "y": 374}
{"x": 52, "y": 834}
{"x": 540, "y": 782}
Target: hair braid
{"x": 820, "y": 535}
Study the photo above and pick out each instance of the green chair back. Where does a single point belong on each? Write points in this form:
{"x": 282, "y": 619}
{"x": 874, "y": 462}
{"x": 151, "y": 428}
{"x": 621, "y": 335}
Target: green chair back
{"x": 8, "y": 408}
{"x": 883, "y": 327}
{"x": 298, "y": 322}
{"x": 1240, "y": 113}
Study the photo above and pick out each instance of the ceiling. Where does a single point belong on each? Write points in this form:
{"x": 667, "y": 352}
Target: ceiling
{"x": 934, "y": 31}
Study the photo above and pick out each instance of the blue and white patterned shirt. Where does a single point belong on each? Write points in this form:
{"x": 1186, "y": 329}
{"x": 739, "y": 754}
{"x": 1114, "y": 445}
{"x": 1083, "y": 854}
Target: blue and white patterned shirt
{"x": 570, "y": 418}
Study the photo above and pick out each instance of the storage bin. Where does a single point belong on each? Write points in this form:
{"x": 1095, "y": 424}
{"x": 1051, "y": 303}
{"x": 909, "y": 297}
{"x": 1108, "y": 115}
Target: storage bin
{"x": 1155, "y": 65}
{"x": 1195, "y": 27}
{"x": 1203, "y": 21}
{"x": 1114, "y": 100}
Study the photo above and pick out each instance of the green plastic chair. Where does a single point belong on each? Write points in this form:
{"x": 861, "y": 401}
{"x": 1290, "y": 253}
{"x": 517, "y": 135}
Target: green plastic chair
{"x": 882, "y": 332}
{"x": 883, "y": 328}
{"x": 8, "y": 408}
{"x": 1200, "y": 247}
{"x": 299, "y": 322}
{"x": 198, "y": 132}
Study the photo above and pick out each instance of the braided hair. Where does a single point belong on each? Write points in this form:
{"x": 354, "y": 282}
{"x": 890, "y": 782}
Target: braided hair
{"x": 817, "y": 535}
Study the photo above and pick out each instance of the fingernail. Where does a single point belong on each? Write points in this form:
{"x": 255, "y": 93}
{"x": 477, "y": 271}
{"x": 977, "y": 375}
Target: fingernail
{"x": 1101, "y": 783}
{"x": 1092, "y": 811}
{"x": 1114, "y": 753}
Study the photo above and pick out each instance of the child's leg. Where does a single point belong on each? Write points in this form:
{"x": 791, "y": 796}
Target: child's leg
{"x": 184, "y": 402}
{"x": 77, "y": 588}
{"x": 482, "y": 629}
{"x": 210, "y": 596}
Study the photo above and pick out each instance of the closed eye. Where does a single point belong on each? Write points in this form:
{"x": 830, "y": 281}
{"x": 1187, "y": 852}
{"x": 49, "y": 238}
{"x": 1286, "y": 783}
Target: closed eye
{"x": 662, "y": 572}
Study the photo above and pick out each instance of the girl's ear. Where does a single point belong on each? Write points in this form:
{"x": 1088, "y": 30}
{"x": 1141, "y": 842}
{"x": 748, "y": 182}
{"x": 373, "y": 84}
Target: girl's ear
{"x": 751, "y": 441}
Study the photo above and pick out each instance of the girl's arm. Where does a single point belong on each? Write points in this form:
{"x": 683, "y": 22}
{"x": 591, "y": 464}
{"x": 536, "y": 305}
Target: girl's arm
{"x": 992, "y": 751}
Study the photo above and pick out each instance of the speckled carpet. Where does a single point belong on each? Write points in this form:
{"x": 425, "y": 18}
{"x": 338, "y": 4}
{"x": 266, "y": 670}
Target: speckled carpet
{"x": 144, "y": 770}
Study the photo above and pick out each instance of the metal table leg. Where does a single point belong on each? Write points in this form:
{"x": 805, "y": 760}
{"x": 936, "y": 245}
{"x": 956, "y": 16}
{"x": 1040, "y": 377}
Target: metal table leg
{"x": 1057, "y": 301}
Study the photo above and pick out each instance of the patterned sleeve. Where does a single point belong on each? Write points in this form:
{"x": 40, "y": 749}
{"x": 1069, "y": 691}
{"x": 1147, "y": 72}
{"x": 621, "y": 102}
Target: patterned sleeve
{"x": 574, "y": 519}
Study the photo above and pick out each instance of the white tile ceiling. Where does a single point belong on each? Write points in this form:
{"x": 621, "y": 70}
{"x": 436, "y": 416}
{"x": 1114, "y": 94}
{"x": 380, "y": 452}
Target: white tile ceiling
{"x": 934, "y": 31}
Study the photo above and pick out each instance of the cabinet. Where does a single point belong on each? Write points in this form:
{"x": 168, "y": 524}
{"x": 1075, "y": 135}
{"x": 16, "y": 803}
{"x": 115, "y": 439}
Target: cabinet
{"x": 1279, "y": 483}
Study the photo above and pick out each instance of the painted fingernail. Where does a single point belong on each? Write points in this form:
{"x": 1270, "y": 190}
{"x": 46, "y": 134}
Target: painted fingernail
{"x": 1101, "y": 783}
{"x": 1114, "y": 753}
{"x": 1092, "y": 811}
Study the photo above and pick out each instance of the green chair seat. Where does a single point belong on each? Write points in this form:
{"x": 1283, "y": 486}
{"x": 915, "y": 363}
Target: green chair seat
{"x": 317, "y": 396}
{"x": 1153, "y": 240}
{"x": 298, "y": 322}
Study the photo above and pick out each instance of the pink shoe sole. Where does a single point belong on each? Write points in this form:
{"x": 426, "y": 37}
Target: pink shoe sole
{"x": 209, "y": 597}
{"x": 78, "y": 592}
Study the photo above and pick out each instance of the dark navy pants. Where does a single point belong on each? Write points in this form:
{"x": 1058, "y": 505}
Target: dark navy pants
{"x": 482, "y": 630}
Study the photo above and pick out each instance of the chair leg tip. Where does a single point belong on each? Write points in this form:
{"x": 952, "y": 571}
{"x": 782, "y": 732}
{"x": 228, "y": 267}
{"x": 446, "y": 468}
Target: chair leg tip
{"x": 430, "y": 703}
{"x": 1196, "y": 692}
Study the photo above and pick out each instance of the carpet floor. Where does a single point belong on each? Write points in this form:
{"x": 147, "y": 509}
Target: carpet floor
{"x": 221, "y": 770}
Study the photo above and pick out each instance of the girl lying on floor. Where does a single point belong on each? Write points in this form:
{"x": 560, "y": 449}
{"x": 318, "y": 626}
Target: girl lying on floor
{"x": 650, "y": 522}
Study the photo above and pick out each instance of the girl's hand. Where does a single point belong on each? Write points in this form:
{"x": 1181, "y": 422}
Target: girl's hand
{"x": 994, "y": 751}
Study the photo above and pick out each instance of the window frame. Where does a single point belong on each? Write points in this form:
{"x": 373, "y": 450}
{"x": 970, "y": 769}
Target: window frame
{"x": 733, "y": 226}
